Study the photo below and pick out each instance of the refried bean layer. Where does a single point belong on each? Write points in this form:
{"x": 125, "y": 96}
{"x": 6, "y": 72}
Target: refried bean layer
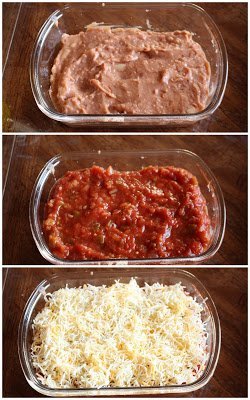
{"x": 156, "y": 212}
{"x": 130, "y": 71}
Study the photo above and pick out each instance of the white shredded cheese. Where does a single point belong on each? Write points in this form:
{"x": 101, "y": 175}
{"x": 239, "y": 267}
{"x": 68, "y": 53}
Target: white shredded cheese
{"x": 123, "y": 335}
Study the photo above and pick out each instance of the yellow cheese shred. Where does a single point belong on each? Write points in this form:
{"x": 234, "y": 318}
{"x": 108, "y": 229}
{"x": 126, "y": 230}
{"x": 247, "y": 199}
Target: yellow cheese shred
{"x": 119, "y": 336}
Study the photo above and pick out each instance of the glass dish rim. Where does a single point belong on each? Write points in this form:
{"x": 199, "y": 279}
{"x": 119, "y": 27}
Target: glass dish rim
{"x": 199, "y": 383}
{"x": 118, "y": 118}
{"x": 45, "y": 252}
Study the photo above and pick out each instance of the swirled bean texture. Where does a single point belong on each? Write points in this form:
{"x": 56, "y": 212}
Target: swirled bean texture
{"x": 130, "y": 71}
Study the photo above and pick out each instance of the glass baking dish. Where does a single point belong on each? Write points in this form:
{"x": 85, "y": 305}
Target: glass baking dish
{"x": 74, "y": 18}
{"x": 100, "y": 277}
{"x": 60, "y": 164}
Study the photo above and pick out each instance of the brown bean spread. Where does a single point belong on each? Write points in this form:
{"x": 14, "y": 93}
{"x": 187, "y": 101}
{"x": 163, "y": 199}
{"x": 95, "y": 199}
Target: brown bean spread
{"x": 130, "y": 71}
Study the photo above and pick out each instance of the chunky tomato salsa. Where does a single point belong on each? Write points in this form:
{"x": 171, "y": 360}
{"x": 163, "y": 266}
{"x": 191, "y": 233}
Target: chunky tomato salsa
{"x": 97, "y": 213}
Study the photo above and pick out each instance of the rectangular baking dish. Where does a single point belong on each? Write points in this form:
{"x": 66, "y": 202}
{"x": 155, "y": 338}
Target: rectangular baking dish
{"x": 60, "y": 164}
{"x": 100, "y": 277}
{"x": 73, "y": 18}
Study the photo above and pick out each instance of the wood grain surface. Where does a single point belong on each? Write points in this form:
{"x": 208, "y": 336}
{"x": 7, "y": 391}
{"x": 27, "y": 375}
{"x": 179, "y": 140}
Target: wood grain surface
{"x": 21, "y": 26}
{"x": 11, "y": 15}
{"x": 7, "y": 154}
{"x": 225, "y": 155}
{"x": 228, "y": 288}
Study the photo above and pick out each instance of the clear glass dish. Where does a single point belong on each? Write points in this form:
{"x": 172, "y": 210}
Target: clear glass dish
{"x": 73, "y": 18}
{"x": 60, "y": 164}
{"x": 100, "y": 277}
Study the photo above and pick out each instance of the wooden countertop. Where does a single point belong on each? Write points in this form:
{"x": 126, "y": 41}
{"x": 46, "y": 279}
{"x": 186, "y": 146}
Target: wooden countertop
{"x": 21, "y": 23}
{"x": 228, "y": 288}
{"x": 25, "y": 156}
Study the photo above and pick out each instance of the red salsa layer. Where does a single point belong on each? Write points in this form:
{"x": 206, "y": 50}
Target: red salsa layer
{"x": 97, "y": 213}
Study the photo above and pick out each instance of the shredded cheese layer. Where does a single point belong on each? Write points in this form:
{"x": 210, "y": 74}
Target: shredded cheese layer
{"x": 119, "y": 336}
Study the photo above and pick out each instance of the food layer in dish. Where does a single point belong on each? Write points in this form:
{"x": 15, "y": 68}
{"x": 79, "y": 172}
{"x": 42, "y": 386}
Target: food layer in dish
{"x": 130, "y": 71}
{"x": 119, "y": 336}
{"x": 155, "y": 212}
